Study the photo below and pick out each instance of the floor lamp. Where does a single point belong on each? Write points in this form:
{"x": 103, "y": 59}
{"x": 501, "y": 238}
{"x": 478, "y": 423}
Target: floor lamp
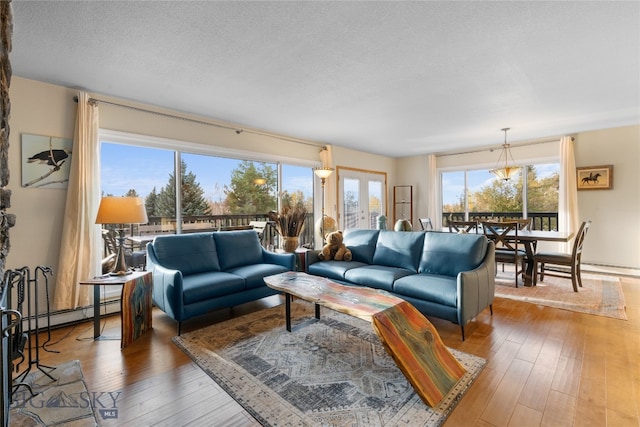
{"x": 322, "y": 173}
{"x": 121, "y": 210}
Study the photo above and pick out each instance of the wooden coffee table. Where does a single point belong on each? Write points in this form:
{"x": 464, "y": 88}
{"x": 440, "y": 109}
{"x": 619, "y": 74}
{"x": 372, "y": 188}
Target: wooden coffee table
{"x": 406, "y": 334}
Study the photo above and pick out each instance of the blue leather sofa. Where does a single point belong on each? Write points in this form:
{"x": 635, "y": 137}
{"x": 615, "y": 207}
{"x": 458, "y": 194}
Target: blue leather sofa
{"x": 445, "y": 275}
{"x": 199, "y": 272}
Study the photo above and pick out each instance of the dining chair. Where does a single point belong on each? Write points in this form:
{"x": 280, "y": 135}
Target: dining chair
{"x": 508, "y": 248}
{"x": 523, "y": 223}
{"x": 426, "y": 224}
{"x": 571, "y": 260}
{"x": 133, "y": 258}
{"x": 463, "y": 226}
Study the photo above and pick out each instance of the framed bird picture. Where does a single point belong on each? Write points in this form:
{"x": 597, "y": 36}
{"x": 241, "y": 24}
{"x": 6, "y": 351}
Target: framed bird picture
{"x": 46, "y": 161}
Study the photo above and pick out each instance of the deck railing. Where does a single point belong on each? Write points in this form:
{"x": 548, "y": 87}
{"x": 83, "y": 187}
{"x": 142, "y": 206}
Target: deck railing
{"x": 198, "y": 223}
{"x": 541, "y": 220}
{"x": 201, "y": 223}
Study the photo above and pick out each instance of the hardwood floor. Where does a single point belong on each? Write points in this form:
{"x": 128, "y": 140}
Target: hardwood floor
{"x": 546, "y": 367}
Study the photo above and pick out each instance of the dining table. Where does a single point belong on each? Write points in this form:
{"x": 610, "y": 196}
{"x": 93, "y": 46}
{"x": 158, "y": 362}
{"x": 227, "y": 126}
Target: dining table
{"x": 530, "y": 239}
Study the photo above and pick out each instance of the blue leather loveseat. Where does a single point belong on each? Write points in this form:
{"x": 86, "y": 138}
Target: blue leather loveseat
{"x": 199, "y": 272}
{"x": 445, "y": 275}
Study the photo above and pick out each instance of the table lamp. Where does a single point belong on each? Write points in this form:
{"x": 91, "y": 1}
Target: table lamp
{"x": 121, "y": 211}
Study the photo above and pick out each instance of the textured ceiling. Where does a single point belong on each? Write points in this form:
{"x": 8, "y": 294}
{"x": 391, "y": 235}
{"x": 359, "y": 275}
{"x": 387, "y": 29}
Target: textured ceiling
{"x": 395, "y": 78}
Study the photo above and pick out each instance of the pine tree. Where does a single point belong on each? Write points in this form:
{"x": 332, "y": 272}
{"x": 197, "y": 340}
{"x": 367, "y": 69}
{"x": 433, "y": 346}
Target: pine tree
{"x": 193, "y": 201}
{"x": 245, "y": 195}
{"x": 150, "y": 203}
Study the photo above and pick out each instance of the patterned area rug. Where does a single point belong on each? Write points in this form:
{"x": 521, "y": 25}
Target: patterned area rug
{"x": 599, "y": 295}
{"x": 63, "y": 402}
{"x": 331, "y": 372}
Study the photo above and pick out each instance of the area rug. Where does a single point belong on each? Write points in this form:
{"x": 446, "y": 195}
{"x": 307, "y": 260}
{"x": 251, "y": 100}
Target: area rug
{"x": 63, "y": 401}
{"x": 328, "y": 372}
{"x": 600, "y": 295}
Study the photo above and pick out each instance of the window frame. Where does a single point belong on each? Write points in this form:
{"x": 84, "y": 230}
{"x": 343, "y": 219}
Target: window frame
{"x": 532, "y": 152}
{"x": 180, "y": 147}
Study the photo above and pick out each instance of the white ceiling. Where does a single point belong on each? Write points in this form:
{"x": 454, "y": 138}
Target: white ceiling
{"x": 395, "y": 78}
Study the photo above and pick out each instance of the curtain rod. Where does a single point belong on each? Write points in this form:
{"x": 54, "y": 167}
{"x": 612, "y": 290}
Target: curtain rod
{"x": 237, "y": 130}
{"x": 492, "y": 149}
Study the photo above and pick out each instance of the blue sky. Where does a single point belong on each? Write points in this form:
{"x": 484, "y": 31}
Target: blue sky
{"x": 126, "y": 167}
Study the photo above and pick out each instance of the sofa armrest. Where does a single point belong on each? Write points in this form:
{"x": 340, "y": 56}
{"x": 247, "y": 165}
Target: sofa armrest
{"x": 167, "y": 287}
{"x": 284, "y": 259}
{"x": 311, "y": 257}
{"x": 476, "y": 288}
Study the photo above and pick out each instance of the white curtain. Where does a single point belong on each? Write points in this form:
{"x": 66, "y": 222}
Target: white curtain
{"x": 432, "y": 192}
{"x": 81, "y": 239}
{"x": 568, "y": 219}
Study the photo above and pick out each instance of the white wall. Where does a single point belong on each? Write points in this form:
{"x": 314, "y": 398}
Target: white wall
{"x": 39, "y": 109}
{"x": 614, "y": 237}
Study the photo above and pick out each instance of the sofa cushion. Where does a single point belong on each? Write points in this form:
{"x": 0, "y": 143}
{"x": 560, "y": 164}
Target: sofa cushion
{"x": 448, "y": 253}
{"x": 237, "y": 248}
{"x": 189, "y": 253}
{"x": 376, "y": 276}
{"x": 206, "y": 286}
{"x": 333, "y": 269}
{"x": 254, "y": 274}
{"x": 361, "y": 243}
{"x": 399, "y": 249}
{"x": 429, "y": 287}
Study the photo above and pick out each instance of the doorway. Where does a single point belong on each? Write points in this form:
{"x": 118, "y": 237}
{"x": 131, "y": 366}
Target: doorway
{"x": 361, "y": 197}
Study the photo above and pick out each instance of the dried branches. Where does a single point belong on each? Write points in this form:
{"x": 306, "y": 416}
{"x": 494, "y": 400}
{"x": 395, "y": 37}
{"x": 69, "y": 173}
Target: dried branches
{"x": 290, "y": 220}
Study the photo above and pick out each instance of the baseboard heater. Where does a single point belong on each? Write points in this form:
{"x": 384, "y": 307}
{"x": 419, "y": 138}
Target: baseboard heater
{"x": 68, "y": 317}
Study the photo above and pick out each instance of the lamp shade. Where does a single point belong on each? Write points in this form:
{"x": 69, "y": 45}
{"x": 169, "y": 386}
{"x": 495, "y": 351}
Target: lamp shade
{"x": 505, "y": 172}
{"x": 323, "y": 173}
{"x": 122, "y": 210}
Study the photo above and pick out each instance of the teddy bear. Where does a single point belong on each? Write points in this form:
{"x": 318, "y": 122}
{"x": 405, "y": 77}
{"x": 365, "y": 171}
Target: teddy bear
{"x": 334, "y": 248}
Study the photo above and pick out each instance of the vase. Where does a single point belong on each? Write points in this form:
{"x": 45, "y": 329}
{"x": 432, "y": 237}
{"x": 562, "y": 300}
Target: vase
{"x": 403, "y": 225}
{"x": 289, "y": 243}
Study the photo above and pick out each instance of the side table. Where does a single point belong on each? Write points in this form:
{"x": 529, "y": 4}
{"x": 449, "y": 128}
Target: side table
{"x": 135, "y": 303}
{"x": 301, "y": 256}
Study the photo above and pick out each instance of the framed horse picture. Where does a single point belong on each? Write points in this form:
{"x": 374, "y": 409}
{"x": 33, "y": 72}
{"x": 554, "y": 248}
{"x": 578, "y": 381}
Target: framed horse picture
{"x": 595, "y": 177}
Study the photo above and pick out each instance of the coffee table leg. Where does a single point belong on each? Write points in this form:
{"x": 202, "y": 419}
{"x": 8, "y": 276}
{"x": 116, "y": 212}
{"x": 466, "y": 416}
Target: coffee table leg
{"x": 317, "y": 311}
{"x": 287, "y": 310}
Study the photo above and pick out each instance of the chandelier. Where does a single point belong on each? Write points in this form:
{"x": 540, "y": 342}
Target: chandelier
{"x": 505, "y": 172}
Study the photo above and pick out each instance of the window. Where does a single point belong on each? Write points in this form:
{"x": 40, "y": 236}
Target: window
{"x": 297, "y": 184}
{"x": 213, "y": 192}
{"x": 477, "y": 194}
{"x": 129, "y": 170}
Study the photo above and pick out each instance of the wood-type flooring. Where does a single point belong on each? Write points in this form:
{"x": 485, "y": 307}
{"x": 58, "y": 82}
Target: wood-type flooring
{"x": 546, "y": 367}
